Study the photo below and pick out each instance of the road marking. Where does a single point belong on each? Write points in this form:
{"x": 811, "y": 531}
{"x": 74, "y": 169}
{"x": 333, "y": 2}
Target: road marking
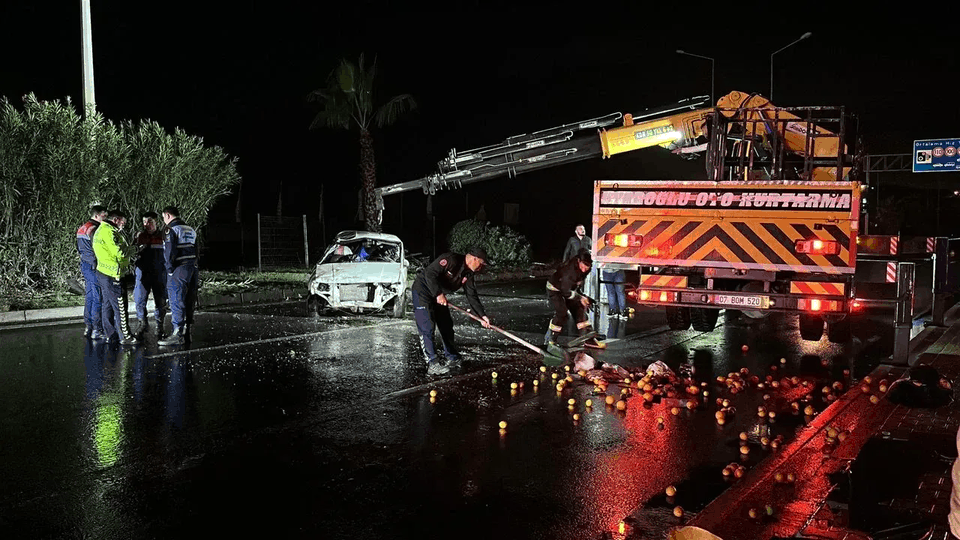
{"x": 296, "y": 337}
{"x": 278, "y": 339}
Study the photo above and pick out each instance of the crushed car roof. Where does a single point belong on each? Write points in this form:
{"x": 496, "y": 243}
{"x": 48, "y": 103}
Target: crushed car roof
{"x": 354, "y": 235}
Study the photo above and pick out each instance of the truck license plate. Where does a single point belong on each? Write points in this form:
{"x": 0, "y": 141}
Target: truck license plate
{"x": 756, "y": 302}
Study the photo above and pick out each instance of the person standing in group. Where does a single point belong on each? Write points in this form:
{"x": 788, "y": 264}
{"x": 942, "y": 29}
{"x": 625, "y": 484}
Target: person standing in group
{"x": 444, "y": 276}
{"x": 615, "y": 282}
{"x": 113, "y": 265}
{"x": 577, "y": 242}
{"x": 562, "y": 292}
{"x": 93, "y": 326}
{"x": 151, "y": 275}
{"x": 180, "y": 261}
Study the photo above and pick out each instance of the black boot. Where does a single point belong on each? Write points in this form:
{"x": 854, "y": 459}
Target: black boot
{"x": 139, "y": 328}
{"x": 177, "y": 337}
{"x": 159, "y": 325}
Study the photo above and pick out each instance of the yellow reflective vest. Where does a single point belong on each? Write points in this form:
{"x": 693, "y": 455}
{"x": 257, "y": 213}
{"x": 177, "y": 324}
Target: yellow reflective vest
{"x": 111, "y": 249}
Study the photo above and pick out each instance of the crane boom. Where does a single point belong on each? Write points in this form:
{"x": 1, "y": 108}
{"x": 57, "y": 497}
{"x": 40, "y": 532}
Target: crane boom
{"x": 681, "y": 127}
{"x": 559, "y": 145}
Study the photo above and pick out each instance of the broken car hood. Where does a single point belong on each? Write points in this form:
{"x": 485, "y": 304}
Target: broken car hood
{"x": 364, "y": 272}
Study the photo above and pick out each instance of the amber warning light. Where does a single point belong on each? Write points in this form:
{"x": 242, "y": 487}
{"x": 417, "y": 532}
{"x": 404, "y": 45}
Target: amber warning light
{"x": 817, "y": 247}
{"x": 623, "y": 240}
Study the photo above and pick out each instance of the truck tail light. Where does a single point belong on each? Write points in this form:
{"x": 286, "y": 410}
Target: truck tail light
{"x": 817, "y": 247}
{"x": 623, "y": 240}
{"x": 818, "y": 305}
{"x": 647, "y": 295}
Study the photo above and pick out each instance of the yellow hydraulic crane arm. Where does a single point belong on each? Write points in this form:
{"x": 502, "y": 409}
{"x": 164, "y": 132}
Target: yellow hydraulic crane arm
{"x": 760, "y": 118}
{"x": 666, "y": 132}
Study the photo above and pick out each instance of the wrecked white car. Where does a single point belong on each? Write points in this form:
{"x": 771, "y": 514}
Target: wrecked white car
{"x": 361, "y": 272}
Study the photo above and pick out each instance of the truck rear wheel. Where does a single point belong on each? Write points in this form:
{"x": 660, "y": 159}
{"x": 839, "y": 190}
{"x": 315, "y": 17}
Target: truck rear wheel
{"x": 678, "y": 318}
{"x": 839, "y": 331}
{"x": 704, "y": 319}
{"x": 811, "y": 327}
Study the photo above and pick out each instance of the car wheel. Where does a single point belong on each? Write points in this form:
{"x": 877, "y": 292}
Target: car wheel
{"x": 399, "y": 307}
{"x": 315, "y": 305}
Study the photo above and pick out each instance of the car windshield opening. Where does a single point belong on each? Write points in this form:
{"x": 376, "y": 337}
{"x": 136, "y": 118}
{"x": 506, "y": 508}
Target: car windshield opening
{"x": 363, "y": 250}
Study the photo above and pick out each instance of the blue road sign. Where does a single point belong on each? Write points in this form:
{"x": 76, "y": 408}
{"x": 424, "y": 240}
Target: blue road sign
{"x": 936, "y": 155}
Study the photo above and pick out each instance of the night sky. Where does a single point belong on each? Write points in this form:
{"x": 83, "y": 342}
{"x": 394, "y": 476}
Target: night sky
{"x": 238, "y": 73}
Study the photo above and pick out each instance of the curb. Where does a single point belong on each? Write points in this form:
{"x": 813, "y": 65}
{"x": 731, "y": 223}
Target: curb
{"x": 74, "y": 314}
{"x": 812, "y": 457}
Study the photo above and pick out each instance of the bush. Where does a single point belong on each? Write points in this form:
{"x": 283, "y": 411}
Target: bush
{"x": 507, "y": 248}
{"x": 55, "y": 164}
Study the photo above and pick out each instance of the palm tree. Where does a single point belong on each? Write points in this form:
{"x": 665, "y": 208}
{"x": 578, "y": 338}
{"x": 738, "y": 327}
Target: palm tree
{"x": 347, "y": 102}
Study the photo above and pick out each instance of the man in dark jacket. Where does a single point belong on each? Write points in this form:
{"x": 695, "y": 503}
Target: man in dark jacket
{"x": 562, "y": 292}
{"x": 151, "y": 275}
{"x": 579, "y": 241}
{"x": 447, "y": 274}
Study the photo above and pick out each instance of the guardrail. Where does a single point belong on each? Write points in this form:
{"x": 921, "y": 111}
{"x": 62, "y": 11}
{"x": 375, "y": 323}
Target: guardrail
{"x": 928, "y": 270}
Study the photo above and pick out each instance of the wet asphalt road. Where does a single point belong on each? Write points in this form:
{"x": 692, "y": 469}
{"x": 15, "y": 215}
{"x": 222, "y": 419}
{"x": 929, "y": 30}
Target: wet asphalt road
{"x": 275, "y": 423}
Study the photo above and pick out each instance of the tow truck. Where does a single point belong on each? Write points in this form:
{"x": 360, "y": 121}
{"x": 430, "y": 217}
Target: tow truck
{"x": 774, "y": 227}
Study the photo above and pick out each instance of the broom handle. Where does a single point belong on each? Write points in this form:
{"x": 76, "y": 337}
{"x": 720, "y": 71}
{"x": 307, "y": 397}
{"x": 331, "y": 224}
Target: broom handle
{"x": 519, "y": 340}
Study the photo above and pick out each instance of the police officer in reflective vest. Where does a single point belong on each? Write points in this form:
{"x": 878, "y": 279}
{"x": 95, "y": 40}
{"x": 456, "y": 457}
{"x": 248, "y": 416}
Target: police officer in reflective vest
{"x": 562, "y": 292}
{"x": 447, "y": 274}
{"x": 113, "y": 268}
{"x": 180, "y": 260}
{"x": 93, "y": 327}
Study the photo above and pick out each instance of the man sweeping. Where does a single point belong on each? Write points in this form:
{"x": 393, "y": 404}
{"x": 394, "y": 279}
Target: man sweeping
{"x": 446, "y": 275}
{"x": 562, "y": 291}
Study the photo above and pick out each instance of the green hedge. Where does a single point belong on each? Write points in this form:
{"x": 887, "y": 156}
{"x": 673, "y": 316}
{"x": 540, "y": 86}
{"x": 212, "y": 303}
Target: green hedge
{"x": 55, "y": 164}
{"x": 508, "y": 248}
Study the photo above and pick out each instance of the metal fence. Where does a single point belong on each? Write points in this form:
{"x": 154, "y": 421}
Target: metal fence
{"x": 282, "y": 242}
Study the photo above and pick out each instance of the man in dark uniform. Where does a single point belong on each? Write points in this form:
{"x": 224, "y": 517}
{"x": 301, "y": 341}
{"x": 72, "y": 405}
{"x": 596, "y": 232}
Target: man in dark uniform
{"x": 562, "y": 292}
{"x": 151, "y": 276}
{"x": 443, "y": 276}
{"x": 180, "y": 260}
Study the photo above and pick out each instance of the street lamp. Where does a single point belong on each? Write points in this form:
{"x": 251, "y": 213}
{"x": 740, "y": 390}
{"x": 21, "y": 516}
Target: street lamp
{"x": 803, "y": 37}
{"x": 681, "y": 51}
{"x": 86, "y": 46}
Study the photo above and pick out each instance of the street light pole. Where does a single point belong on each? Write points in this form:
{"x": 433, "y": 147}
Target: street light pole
{"x": 86, "y": 45}
{"x": 680, "y": 51}
{"x": 801, "y": 38}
